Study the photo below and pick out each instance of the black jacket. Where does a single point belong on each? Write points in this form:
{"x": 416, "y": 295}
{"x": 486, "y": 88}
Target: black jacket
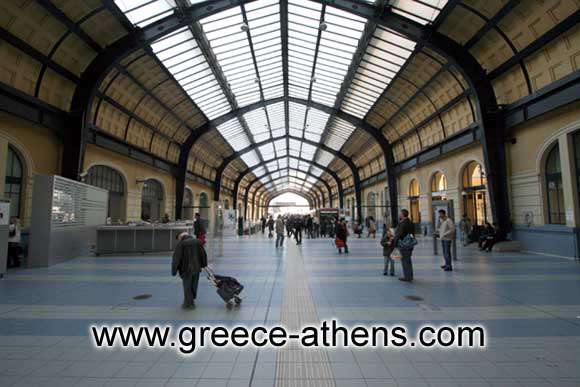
{"x": 189, "y": 257}
{"x": 404, "y": 228}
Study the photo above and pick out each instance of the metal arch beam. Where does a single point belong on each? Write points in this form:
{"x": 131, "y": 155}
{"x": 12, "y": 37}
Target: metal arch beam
{"x": 247, "y": 193}
{"x": 325, "y": 169}
{"x": 396, "y": 22}
{"x": 264, "y": 193}
{"x": 268, "y": 193}
{"x": 346, "y": 160}
{"x": 315, "y": 190}
{"x": 268, "y": 197}
{"x": 294, "y": 191}
{"x": 493, "y": 24}
{"x": 488, "y": 115}
{"x": 249, "y": 186}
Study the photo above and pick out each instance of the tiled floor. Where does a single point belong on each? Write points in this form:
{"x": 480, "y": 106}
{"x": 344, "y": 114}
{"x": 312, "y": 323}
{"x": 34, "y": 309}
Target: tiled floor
{"x": 529, "y": 304}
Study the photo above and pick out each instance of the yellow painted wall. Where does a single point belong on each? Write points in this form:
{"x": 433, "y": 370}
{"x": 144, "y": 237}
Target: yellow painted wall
{"x": 132, "y": 171}
{"x": 40, "y": 151}
{"x": 452, "y": 167}
{"x": 533, "y": 140}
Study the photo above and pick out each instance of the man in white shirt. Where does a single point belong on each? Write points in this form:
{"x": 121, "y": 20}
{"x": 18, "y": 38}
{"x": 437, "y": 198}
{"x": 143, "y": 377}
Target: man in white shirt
{"x": 447, "y": 236}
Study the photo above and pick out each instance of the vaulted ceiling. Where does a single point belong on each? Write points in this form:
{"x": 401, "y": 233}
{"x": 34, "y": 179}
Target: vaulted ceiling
{"x": 287, "y": 86}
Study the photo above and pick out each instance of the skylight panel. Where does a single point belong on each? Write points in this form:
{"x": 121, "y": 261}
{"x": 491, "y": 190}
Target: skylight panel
{"x": 315, "y": 123}
{"x": 226, "y": 33}
{"x": 275, "y": 175}
{"x": 250, "y": 158}
{"x": 307, "y": 151}
{"x": 181, "y": 55}
{"x": 283, "y": 163}
{"x": 280, "y": 146}
{"x": 338, "y": 43}
{"x": 234, "y": 134}
{"x": 295, "y": 147}
{"x": 143, "y": 12}
{"x": 296, "y": 119}
{"x": 264, "y": 23}
{"x": 385, "y": 55}
{"x": 267, "y": 151}
{"x": 258, "y": 124}
{"x": 259, "y": 171}
{"x": 272, "y": 166}
{"x": 421, "y": 11}
{"x": 293, "y": 163}
{"x": 324, "y": 158}
{"x": 303, "y": 166}
{"x": 315, "y": 170}
{"x": 277, "y": 116}
{"x": 303, "y": 26}
{"x": 338, "y": 133}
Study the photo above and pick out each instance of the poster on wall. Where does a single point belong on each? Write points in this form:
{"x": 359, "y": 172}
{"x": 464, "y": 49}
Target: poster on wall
{"x": 4, "y": 213}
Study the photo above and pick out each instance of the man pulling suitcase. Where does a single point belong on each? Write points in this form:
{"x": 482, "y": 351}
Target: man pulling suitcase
{"x": 189, "y": 258}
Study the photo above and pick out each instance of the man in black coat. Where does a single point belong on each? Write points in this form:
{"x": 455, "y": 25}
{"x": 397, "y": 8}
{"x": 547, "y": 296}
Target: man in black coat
{"x": 404, "y": 228}
{"x": 189, "y": 258}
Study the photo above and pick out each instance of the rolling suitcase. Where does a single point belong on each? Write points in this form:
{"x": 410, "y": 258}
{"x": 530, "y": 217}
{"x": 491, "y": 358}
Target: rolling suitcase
{"x": 228, "y": 288}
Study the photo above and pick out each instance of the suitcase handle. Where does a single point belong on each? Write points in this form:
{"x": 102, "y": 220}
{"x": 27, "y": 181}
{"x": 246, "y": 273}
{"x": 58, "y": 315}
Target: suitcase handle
{"x": 208, "y": 273}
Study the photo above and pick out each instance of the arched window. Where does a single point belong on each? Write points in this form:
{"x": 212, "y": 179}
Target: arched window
{"x": 414, "y": 193}
{"x": 554, "y": 189}
{"x": 438, "y": 186}
{"x": 14, "y": 182}
{"x": 187, "y": 208}
{"x": 152, "y": 201}
{"x": 475, "y": 193}
{"x": 226, "y": 204}
{"x": 110, "y": 179}
{"x": 348, "y": 207}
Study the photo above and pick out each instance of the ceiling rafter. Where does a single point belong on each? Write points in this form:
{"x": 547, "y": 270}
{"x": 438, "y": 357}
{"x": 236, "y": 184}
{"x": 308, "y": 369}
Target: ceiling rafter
{"x": 492, "y": 24}
{"x": 213, "y": 62}
{"x": 258, "y": 179}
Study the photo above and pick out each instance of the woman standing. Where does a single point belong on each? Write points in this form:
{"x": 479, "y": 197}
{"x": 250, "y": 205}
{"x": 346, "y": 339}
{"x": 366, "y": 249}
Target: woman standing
{"x": 14, "y": 242}
{"x": 341, "y": 236}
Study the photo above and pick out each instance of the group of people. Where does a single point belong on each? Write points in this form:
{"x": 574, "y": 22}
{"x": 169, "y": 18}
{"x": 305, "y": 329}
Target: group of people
{"x": 403, "y": 241}
{"x": 369, "y": 223}
{"x": 485, "y": 236}
{"x": 294, "y": 225}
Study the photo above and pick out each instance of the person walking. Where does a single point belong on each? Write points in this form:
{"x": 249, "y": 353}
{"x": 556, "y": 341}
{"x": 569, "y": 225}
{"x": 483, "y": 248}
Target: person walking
{"x": 404, "y": 229}
{"x": 341, "y": 236}
{"x": 298, "y": 226}
{"x": 388, "y": 243}
{"x": 189, "y": 258}
{"x": 279, "y": 231}
{"x": 309, "y": 227}
{"x": 270, "y": 224}
{"x": 465, "y": 227}
{"x": 263, "y": 221}
{"x": 447, "y": 236}
{"x": 372, "y": 228}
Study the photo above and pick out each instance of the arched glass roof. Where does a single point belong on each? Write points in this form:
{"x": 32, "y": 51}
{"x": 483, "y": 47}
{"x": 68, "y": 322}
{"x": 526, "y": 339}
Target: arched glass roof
{"x": 253, "y": 52}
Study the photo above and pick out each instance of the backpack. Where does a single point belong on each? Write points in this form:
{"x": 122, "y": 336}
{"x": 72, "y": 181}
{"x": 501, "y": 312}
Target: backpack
{"x": 407, "y": 243}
